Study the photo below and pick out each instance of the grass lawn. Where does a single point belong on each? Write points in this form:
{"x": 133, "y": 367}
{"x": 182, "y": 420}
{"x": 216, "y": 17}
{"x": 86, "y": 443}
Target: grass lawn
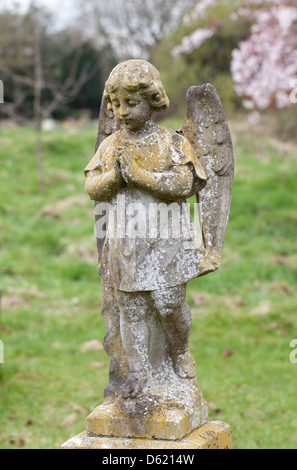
{"x": 244, "y": 315}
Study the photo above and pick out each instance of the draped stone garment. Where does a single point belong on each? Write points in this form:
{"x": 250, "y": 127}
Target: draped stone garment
{"x": 149, "y": 243}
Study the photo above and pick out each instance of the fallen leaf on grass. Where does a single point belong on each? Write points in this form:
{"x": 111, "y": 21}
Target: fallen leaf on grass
{"x": 19, "y": 297}
{"x": 19, "y": 442}
{"x": 69, "y": 420}
{"x": 5, "y": 329}
{"x": 53, "y": 211}
{"x": 232, "y": 302}
{"x": 282, "y": 287}
{"x": 96, "y": 364}
{"x": 227, "y": 353}
{"x": 262, "y": 309}
{"x": 199, "y": 298}
{"x": 272, "y": 326}
{"x": 80, "y": 409}
{"x": 287, "y": 260}
{"x": 92, "y": 345}
{"x": 83, "y": 251}
{"x": 212, "y": 406}
{"x": 12, "y": 301}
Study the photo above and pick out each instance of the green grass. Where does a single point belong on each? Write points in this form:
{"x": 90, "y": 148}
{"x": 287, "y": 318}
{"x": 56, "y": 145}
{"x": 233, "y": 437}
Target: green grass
{"x": 244, "y": 315}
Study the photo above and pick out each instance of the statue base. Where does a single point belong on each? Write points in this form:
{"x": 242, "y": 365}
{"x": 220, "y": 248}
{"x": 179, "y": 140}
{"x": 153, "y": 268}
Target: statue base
{"x": 149, "y": 416}
{"x": 211, "y": 435}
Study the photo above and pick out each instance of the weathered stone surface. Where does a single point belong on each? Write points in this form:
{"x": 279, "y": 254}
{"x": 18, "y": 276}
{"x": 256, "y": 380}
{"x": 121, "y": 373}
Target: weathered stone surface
{"x": 150, "y": 416}
{"x": 207, "y": 130}
{"x": 140, "y": 179}
{"x": 211, "y": 435}
{"x": 139, "y": 166}
{"x": 169, "y": 407}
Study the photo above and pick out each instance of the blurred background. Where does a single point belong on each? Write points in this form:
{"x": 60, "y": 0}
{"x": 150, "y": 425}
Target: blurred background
{"x": 54, "y": 60}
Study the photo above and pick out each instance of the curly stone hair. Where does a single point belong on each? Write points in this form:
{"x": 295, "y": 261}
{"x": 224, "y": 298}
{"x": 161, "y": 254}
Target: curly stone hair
{"x": 137, "y": 75}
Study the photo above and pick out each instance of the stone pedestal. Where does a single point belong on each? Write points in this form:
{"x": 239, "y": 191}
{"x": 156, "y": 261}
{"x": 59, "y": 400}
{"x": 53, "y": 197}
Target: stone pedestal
{"x": 161, "y": 417}
{"x": 158, "y": 413}
{"x": 211, "y": 435}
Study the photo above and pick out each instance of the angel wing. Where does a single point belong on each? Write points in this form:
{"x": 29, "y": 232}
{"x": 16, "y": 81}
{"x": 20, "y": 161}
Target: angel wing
{"x": 207, "y": 130}
{"x": 107, "y": 124}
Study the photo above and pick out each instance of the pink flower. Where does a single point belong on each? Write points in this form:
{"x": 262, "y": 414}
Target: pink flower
{"x": 201, "y": 8}
{"x": 264, "y": 65}
{"x": 193, "y": 41}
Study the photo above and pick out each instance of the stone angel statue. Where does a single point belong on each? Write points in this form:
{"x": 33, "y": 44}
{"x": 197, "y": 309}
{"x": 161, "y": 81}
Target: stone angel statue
{"x": 140, "y": 179}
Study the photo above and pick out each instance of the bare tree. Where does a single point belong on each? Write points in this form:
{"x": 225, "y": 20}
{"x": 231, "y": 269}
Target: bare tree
{"x": 133, "y": 27}
{"x": 31, "y": 71}
{"x": 38, "y": 83}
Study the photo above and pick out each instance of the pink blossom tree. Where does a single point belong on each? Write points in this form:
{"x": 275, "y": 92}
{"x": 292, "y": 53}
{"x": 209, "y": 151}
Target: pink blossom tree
{"x": 264, "y": 66}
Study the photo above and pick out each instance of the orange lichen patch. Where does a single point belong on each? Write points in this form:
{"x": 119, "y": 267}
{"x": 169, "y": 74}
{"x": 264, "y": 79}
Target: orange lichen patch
{"x": 149, "y": 416}
{"x": 211, "y": 435}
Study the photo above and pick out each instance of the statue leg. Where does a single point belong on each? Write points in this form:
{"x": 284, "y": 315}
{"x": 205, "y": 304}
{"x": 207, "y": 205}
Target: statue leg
{"x": 134, "y": 309}
{"x": 112, "y": 343}
{"x": 176, "y": 319}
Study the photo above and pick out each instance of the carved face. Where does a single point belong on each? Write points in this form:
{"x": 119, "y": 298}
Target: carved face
{"x": 131, "y": 109}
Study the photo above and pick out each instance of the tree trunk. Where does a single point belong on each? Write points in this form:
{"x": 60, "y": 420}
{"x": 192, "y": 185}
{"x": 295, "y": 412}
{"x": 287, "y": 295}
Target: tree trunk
{"x": 37, "y": 100}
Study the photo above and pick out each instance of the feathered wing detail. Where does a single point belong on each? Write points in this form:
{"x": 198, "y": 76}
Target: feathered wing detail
{"x": 107, "y": 124}
{"x": 207, "y": 130}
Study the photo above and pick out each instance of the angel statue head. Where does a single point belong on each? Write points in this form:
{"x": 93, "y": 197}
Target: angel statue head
{"x": 134, "y": 91}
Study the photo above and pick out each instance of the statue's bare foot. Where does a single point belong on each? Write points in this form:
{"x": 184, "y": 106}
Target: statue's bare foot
{"x": 133, "y": 386}
{"x": 185, "y": 366}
